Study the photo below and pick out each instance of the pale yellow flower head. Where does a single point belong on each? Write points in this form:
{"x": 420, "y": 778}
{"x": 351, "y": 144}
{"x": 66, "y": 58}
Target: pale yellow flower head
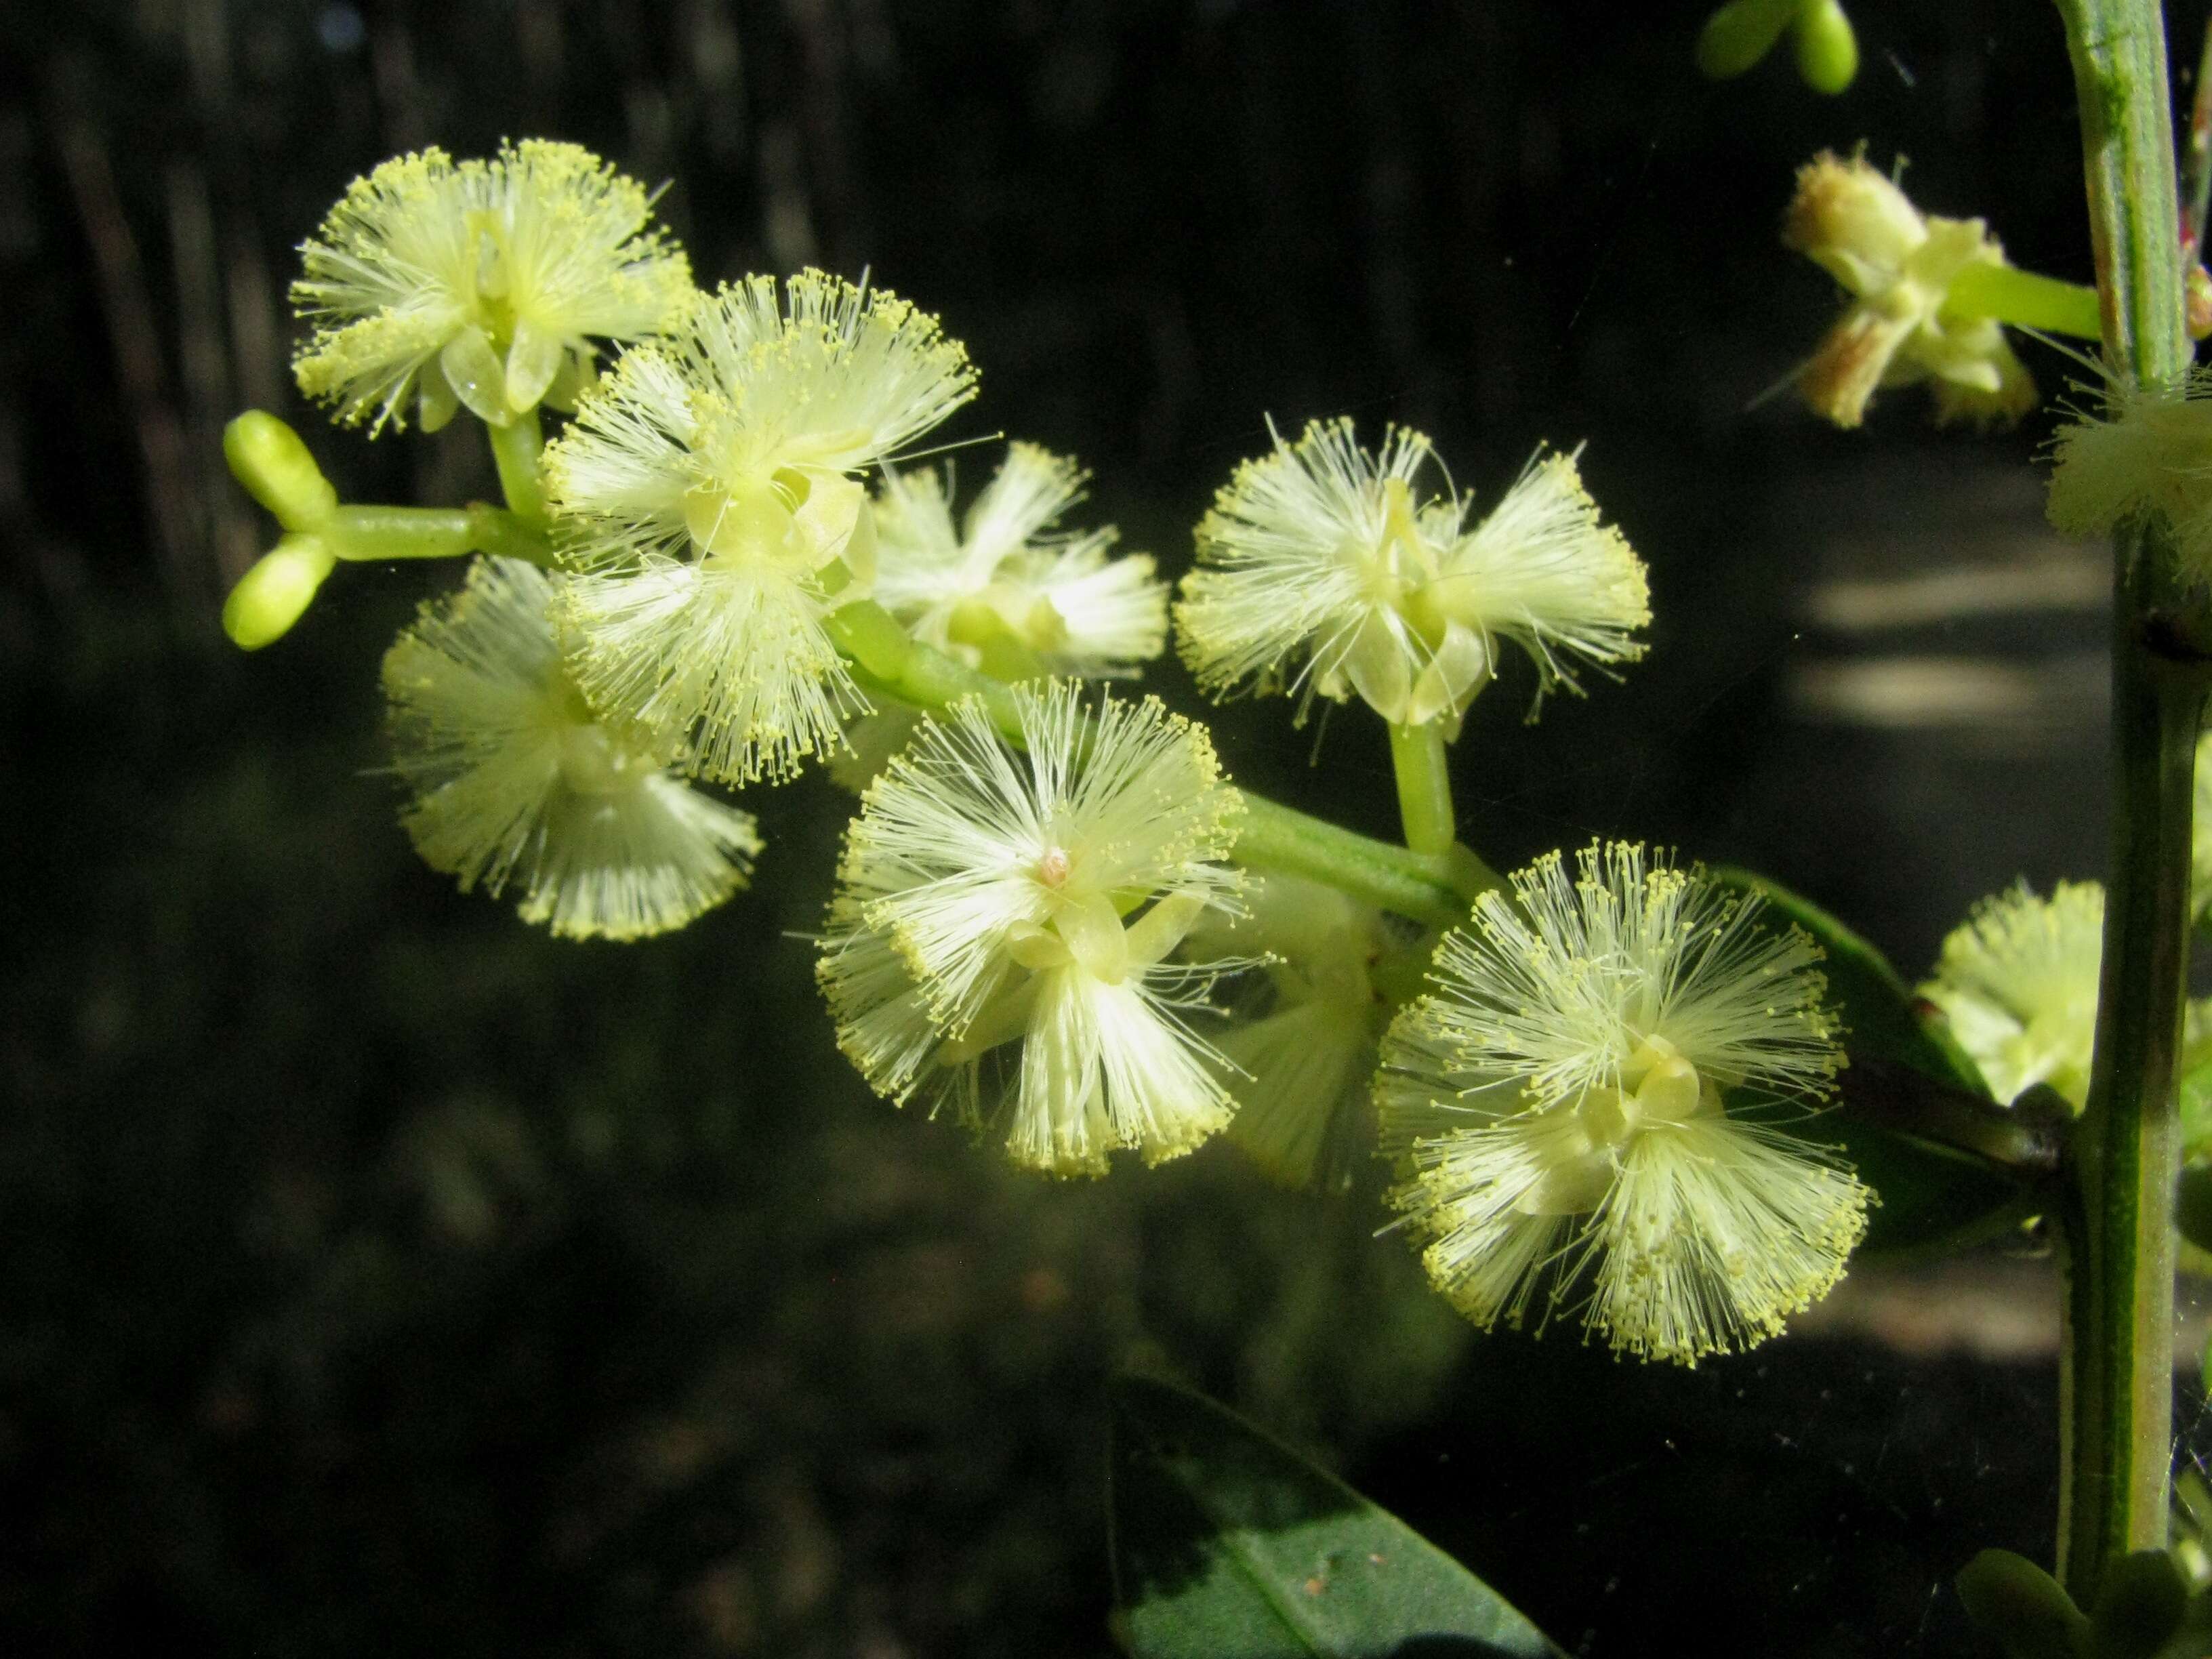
{"x": 1899, "y": 267}
{"x": 1006, "y": 579}
{"x": 2151, "y": 451}
{"x": 2018, "y": 981}
{"x": 1592, "y": 1101}
{"x": 514, "y": 783}
{"x": 1325, "y": 570}
{"x": 708, "y": 504}
{"x": 1000, "y": 935}
{"x": 479, "y": 282}
{"x": 1303, "y": 1047}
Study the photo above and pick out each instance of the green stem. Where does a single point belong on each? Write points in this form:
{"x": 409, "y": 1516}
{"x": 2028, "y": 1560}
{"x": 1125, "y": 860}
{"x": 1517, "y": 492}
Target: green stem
{"x": 1436, "y": 889}
{"x": 369, "y": 534}
{"x": 2116, "y": 1225}
{"x": 1424, "y": 798}
{"x": 515, "y": 449}
{"x": 2026, "y": 300}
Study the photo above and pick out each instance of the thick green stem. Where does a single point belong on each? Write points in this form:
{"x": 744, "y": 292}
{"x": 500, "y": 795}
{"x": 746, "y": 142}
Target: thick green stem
{"x": 2117, "y": 1232}
{"x": 1418, "y": 757}
{"x": 2025, "y": 299}
{"x": 2117, "y": 1226}
{"x": 1434, "y": 889}
{"x": 515, "y": 449}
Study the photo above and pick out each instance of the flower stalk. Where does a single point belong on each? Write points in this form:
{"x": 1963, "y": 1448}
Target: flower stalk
{"x": 1424, "y": 798}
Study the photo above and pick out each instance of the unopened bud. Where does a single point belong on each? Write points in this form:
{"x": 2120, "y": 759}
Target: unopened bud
{"x": 273, "y": 595}
{"x": 269, "y": 459}
{"x": 1827, "y": 50}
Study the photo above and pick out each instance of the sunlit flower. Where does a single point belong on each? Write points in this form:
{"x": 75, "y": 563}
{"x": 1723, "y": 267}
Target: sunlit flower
{"x": 990, "y": 896}
{"x": 711, "y": 511}
{"x": 2018, "y": 981}
{"x": 2150, "y": 452}
{"x": 514, "y": 781}
{"x": 1305, "y": 1054}
{"x": 1592, "y": 1096}
{"x": 1322, "y": 570}
{"x": 1900, "y": 267}
{"x": 1004, "y": 578}
{"x": 479, "y": 282}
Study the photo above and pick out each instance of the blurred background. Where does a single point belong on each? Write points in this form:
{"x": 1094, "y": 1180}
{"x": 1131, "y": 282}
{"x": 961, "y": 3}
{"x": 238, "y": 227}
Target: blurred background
{"x": 378, "y": 1275}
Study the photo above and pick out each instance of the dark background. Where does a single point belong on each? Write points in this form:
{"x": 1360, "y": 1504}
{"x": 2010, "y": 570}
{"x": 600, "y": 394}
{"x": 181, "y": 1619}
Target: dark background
{"x": 378, "y": 1275}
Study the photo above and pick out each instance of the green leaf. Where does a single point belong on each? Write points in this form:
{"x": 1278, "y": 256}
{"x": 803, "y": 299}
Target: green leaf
{"x": 1906, "y": 1075}
{"x": 1228, "y": 1545}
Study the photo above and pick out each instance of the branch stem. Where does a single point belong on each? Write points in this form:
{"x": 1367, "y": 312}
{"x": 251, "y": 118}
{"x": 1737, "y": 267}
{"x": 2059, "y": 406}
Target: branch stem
{"x": 2116, "y": 1219}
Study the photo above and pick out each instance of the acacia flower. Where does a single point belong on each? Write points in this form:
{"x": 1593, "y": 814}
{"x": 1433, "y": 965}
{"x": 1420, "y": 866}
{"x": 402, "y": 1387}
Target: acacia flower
{"x": 514, "y": 780}
{"x": 1901, "y": 268}
{"x": 479, "y": 282}
{"x": 1591, "y": 1089}
{"x": 989, "y": 896}
{"x": 1003, "y": 576}
{"x": 711, "y": 512}
{"x": 2151, "y": 451}
{"x": 1324, "y": 556}
{"x": 1302, "y": 1057}
{"x": 2018, "y": 981}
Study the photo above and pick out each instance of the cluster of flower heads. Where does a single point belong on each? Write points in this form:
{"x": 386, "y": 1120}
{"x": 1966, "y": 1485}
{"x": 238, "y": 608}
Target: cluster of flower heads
{"x": 1037, "y": 925}
{"x": 1902, "y": 269}
{"x": 1594, "y": 1102}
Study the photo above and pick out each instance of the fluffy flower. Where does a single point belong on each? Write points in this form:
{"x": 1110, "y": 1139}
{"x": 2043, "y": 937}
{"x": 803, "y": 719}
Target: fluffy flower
{"x": 989, "y": 896}
{"x": 1304, "y": 1050}
{"x": 2018, "y": 982}
{"x": 514, "y": 781}
{"x": 2151, "y": 451}
{"x": 713, "y": 520}
{"x": 1560, "y": 1098}
{"x": 1899, "y": 267}
{"x": 1324, "y": 556}
{"x": 480, "y": 282}
{"x": 1003, "y": 579}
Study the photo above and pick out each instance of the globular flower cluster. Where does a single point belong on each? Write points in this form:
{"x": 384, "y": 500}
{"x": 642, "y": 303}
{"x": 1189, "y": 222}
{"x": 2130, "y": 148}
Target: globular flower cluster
{"x": 479, "y": 282}
{"x": 1303, "y": 1052}
{"x": 991, "y": 894}
{"x": 1323, "y": 570}
{"x": 2151, "y": 451}
{"x": 1903, "y": 326}
{"x": 714, "y": 515}
{"x": 1005, "y": 586}
{"x": 1593, "y": 1101}
{"x": 514, "y": 780}
{"x": 2018, "y": 982}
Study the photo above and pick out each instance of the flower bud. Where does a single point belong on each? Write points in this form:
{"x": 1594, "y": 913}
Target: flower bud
{"x": 269, "y": 459}
{"x": 273, "y": 595}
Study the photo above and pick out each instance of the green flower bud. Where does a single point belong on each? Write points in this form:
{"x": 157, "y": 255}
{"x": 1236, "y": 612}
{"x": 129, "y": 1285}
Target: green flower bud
{"x": 1740, "y": 33}
{"x": 273, "y": 595}
{"x": 1827, "y": 50}
{"x": 269, "y": 459}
